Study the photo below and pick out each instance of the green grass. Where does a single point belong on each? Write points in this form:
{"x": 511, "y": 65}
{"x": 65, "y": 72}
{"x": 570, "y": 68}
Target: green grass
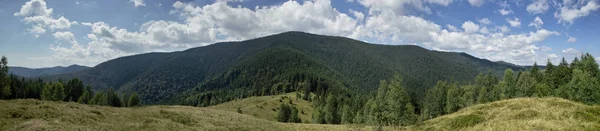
{"x": 266, "y": 107}
{"x": 514, "y": 114}
{"x": 520, "y": 114}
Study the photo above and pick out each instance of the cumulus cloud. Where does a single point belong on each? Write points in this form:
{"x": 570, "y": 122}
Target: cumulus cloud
{"x": 537, "y": 22}
{"x": 505, "y": 12}
{"x": 517, "y": 48}
{"x": 485, "y": 21}
{"x": 34, "y": 8}
{"x": 470, "y": 27}
{"x": 203, "y": 25}
{"x": 401, "y": 7}
{"x": 137, "y": 3}
{"x": 476, "y": 3}
{"x": 451, "y": 27}
{"x": 514, "y": 22}
{"x": 571, "y": 52}
{"x": 538, "y": 7}
{"x": 572, "y": 39}
{"x": 567, "y": 14}
{"x": 36, "y": 13}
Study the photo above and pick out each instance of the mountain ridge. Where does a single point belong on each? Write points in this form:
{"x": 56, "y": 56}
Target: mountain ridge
{"x": 37, "y": 72}
{"x": 354, "y": 64}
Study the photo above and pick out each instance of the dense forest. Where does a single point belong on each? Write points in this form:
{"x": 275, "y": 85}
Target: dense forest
{"x": 15, "y": 87}
{"x": 161, "y": 78}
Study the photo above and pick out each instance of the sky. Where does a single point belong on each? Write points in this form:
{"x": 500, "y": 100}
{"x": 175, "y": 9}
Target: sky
{"x": 38, "y": 33}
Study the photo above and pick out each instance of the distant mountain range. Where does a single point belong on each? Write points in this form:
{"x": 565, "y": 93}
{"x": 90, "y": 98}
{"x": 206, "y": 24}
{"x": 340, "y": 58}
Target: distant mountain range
{"x": 37, "y": 72}
{"x": 265, "y": 62}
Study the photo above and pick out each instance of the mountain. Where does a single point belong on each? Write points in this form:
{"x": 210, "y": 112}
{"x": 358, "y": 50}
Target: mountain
{"x": 30, "y": 72}
{"x": 281, "y": 63}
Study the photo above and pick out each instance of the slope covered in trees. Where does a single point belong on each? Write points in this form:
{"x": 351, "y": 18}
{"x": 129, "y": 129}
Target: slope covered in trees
{"x": 354, "y": 64}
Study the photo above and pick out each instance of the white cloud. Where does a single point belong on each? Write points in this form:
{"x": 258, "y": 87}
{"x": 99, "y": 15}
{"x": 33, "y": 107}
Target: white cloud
{"x": 538, "y": 7}
{"x": 476, "y": 3}
{"x": 137, "y": 3}
{"x": 451, "y": 27}
{"x": 518, "y": 48}
{"x": 505, "y": 12}
{"x": 358, "y": 15}
{"x": 552, "y": 57}
{"x": 470, "y": 27}
{"x": 572, "y": 39}
{"x": 503, "y": 29}
{"x": 40, "y": 17}
{"x": 485, "y": 21}
{"x": 220, "y": 22}
{"x": 514, "y": 22}
{"x": 598, "y": 59}
{"x": 571, "y": 51}
{"x": 34, "y": 8}
{"x": 401, "y": 7}
{"x": 537, "y": 22}
{"x": 566, "y": 14}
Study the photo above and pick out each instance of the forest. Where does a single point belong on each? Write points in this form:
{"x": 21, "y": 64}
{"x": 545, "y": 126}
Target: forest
{"x": 15, "y": 87}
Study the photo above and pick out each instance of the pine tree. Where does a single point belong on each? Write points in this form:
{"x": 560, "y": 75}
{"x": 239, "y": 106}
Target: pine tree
{"x": 525, "y": 85}
{"x": 59, "y": 92}
{"x": 5, "y": 91}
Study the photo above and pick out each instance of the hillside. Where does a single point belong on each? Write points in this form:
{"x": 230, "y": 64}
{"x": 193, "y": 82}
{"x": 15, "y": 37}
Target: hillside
{"x": 37, "y": 72}
{"x": 266, "y": 107}
{"x": 520, "y": 114}
{"x": 47, "y": 115}
{"x": 513, "y": 114}
{"x": 263, "y": 62}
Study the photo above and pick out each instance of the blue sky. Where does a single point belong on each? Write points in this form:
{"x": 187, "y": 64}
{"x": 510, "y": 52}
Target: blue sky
{"x": 38, "y": 33}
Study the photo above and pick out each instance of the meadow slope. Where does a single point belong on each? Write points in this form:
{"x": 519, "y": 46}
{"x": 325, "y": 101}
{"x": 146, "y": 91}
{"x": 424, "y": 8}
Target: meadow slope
{"x": 514, "y": 114}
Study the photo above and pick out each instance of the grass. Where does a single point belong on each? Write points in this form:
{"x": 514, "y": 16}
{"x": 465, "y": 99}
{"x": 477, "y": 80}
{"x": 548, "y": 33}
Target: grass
{"x": 266, "y": 107}
{"x": 520, "y": 114}
{"x": 514, "y": 114}
{"x": 32, "y": 114}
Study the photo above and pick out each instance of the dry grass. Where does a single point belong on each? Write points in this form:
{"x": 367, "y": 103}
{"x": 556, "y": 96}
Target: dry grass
{"x": 520, "y": 114}
{"x": 515, "y": 114}
{"x": 266, "y": 107}
{"x": 47, "y": 115}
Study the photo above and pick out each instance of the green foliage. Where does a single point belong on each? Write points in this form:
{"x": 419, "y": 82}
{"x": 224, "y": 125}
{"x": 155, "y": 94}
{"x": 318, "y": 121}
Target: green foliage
{"x": 58, "y": 93}
{"x": 391, "y": 105}
{"x": 134, "y": 100}
{"x": 284, "y": 113}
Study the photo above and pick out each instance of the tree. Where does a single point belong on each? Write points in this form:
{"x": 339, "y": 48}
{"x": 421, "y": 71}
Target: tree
{"x": 284, "y": 113}
{"x": 331, "y": 110}
{"x": 542, "y": 90}
{"x": 59, "y": 92}
{"x": 134, "y": 100}
{"x": 75, "y": 87}
{"x": 47, "y": 92}
{"x": 5, "y": 91}
{"x": 525, "y": 85}
{"x": 453, "y": 99}
{"x": 584, "y": 88}
{"x": 294, "y": 116}
{"x": 507, "y": 86}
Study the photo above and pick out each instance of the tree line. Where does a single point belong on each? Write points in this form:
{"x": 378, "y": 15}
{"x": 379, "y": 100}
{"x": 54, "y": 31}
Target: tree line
{"x": 578, "y": 81}
{"x": 14, "y": 87}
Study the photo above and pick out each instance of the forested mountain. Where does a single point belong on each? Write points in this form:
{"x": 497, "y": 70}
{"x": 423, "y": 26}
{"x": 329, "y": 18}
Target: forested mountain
{"x": 281, "y": 63}
{"x": 36, "y": 72}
